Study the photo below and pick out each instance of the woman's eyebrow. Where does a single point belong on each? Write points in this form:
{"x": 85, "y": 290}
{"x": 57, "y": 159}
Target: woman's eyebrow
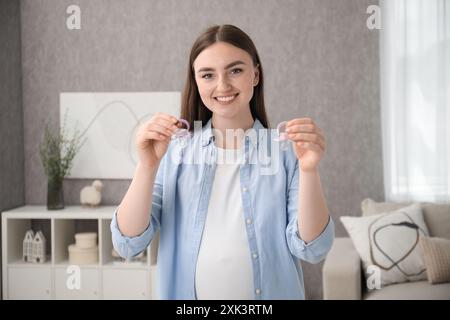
{"x": 226, "y": 67}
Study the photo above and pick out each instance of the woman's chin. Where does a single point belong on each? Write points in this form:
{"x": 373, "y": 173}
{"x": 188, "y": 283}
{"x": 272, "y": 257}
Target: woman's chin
{"x": 229, "y": 112}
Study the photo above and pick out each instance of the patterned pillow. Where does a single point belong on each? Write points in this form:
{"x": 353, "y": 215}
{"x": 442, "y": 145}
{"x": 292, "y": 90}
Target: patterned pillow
{"x": 389, "y": 242}
{"x": 435, "y": 215}
{"x": 436, "y": 255}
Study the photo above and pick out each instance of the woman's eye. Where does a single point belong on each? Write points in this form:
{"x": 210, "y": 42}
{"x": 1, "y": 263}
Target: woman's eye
{"x": 208, "y": 76}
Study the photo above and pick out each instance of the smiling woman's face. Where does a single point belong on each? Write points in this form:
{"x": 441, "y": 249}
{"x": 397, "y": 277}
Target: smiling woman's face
{"x": 225, "y": 78}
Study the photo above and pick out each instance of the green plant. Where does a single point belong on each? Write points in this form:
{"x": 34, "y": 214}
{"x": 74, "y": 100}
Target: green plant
{"x": 58, "y": 151}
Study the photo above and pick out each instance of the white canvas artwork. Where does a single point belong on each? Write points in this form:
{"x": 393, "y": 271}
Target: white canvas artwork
{"x": 109, "y": 122}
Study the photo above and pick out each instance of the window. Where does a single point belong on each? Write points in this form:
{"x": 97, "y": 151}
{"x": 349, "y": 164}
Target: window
{"x": 415, "y": 97}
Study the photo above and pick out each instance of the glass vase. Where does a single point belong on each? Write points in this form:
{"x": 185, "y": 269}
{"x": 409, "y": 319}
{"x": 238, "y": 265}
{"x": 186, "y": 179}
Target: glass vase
{"x": 55, "y": 194}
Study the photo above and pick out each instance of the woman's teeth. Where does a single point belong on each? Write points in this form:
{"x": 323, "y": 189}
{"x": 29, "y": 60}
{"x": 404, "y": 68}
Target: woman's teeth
{"x": 226, "y": 99}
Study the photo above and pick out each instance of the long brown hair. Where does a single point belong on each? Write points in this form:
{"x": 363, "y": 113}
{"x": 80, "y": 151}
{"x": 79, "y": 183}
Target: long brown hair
{"x": 192, "y": 107}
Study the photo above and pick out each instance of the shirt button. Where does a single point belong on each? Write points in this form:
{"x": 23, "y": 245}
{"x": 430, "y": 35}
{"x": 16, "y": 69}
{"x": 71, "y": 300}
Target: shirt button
{"x": 258, "y": 291}
{"x": 249, "y": 221}
{"x": 255, "y": 256}
{"x": 244, "y": 189}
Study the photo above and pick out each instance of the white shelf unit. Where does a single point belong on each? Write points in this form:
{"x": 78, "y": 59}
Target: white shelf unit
{"x": 104, "y": 280}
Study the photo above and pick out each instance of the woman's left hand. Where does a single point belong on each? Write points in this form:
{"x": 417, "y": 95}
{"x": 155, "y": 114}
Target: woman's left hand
{"x": 308, "y": 142}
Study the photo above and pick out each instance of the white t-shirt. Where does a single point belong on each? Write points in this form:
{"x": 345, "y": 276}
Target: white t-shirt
{"x": 224, "y": 266}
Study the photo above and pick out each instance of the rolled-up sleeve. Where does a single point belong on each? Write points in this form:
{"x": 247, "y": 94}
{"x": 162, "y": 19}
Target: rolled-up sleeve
{"x": 315, "y": 250}
{"x": 128, "y": 247}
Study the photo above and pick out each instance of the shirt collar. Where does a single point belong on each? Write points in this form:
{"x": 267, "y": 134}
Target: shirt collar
{"x": 208, "y": 136}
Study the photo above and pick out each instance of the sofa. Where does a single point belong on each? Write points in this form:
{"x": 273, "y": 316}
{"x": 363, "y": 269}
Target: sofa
{"x": 343, "y": 276}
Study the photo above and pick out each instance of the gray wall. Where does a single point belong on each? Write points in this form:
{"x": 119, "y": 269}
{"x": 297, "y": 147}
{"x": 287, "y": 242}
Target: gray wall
{"x": 11, "y": 118}
{"x": 320, "y": 61}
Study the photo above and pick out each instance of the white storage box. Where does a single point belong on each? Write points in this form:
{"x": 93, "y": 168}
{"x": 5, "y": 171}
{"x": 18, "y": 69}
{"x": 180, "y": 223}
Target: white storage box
{"x": 82, "y": 255}
{"x": 86, "y": 240}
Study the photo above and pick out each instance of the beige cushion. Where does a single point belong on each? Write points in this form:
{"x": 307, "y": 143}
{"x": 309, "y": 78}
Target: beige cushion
{"x": 419, "y": 290}
{"x": 436, "y": 255}
{"x": 389, "y": 242}
{"x": 436, "y": 216}
{"x": 342, "y": 272}
{"x": 370, "y": 207}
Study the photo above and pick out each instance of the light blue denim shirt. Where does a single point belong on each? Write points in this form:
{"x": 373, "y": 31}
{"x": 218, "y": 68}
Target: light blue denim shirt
{"x": 269, "y": 181}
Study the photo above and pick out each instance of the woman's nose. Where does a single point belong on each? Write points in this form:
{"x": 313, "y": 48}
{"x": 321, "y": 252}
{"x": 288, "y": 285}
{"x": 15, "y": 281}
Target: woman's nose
{"x": 223, "y": 84}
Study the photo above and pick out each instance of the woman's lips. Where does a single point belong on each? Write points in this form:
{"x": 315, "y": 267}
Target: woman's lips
{"x": 226, "y": 99}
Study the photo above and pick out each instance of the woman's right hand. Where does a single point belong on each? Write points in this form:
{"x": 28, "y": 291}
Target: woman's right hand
{"x": 153, "y": 137}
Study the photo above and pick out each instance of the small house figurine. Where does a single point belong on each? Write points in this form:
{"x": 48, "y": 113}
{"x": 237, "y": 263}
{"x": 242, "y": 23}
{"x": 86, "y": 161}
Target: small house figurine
{"x": 91, "y": 195}
{"x": 28, "y": 246}
{"x": 34, "y": 249}
{"x": 39, "y": 254}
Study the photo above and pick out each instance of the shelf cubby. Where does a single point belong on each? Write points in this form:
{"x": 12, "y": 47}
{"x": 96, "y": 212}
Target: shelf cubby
{"x": 64, "y": 235}
{"x": 17, "y": 229}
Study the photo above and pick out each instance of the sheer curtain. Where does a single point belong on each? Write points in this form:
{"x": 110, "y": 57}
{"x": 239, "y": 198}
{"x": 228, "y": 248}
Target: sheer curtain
{"x": 415, "y": 98}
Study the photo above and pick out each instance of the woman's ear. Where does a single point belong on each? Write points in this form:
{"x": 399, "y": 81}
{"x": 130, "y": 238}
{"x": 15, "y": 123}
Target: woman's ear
{"x": 256, "y": 79}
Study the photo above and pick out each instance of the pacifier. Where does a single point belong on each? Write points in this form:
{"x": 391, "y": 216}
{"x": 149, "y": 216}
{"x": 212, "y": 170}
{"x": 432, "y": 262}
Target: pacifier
{"x": 282, "y": 136}
{"x": 182, "y": 135}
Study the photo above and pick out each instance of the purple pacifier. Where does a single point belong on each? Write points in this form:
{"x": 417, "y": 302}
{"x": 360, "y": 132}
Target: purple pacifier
{"x": 182, "y": 134}
{"x": 282, "y": 136}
